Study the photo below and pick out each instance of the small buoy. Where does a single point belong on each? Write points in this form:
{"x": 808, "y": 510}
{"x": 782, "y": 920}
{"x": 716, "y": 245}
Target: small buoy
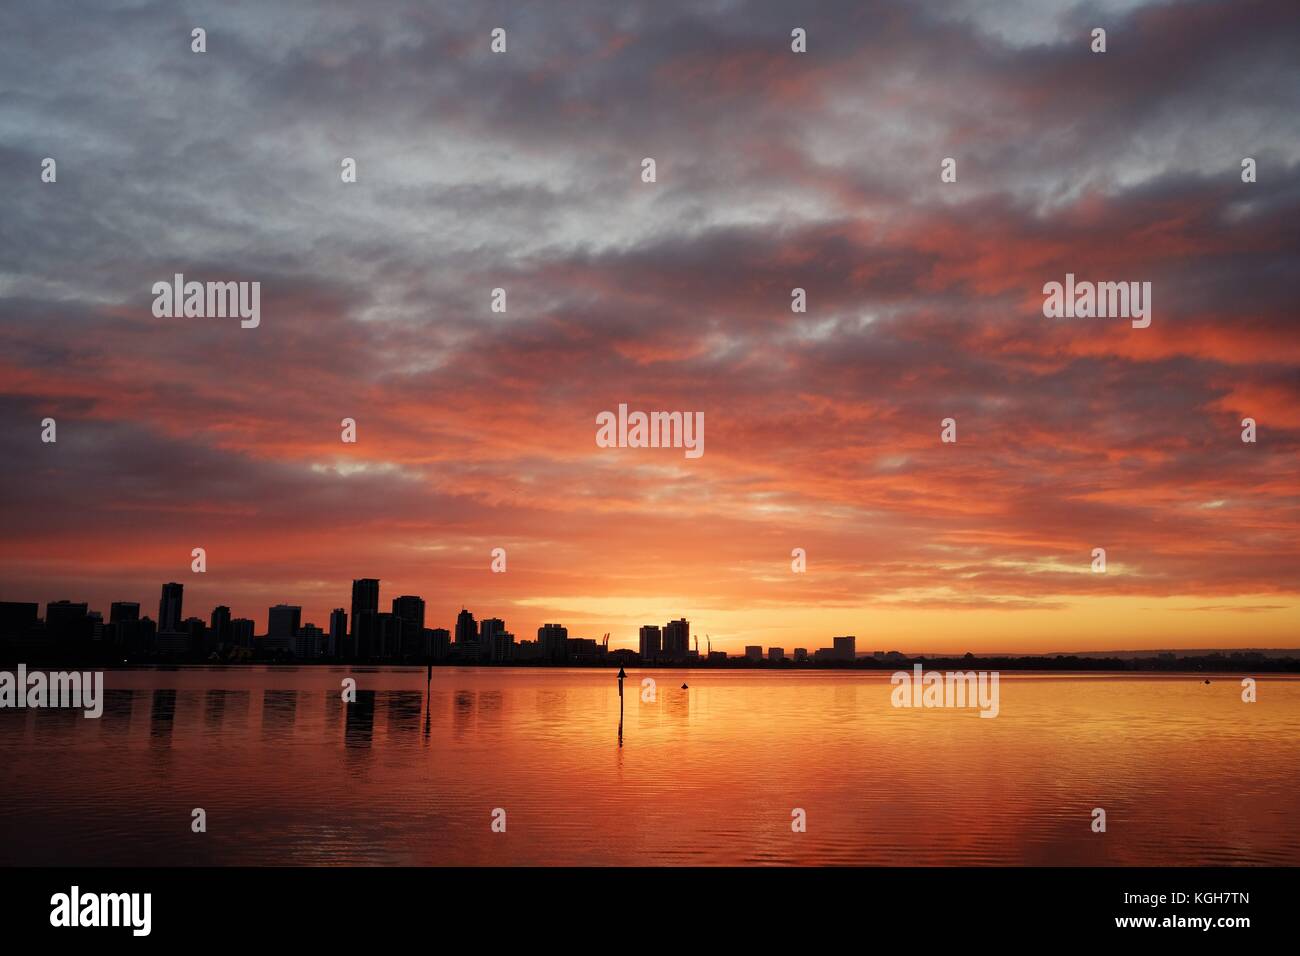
{"x": 684, "y": 687}
{"x": 1207, "y": 680}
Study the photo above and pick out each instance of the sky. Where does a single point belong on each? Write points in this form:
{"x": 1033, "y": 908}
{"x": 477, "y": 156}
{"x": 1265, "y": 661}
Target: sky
{"x": 775, "y": 170}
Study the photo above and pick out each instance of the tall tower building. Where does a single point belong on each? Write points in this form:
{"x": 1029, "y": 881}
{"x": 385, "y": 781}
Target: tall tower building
{"x": 386, "y": 640}
{"x": 283, "y": 622}
{"x": 338, "y": 632}
{"x": 408, "y": 607}
{"x": 466, "y": 629}
{"x": 169, "y": 607}
{"x": 365, "y": 597}
{"x": 650, "y": 645}
{"x": 495, "y": 642}
{"x": 68, "y": 619}
{"x": 124, "y": 612}
{"x": 554, "y": 641}
{"x": 409, "y": 612}
{"x": 439, "y": 643}
{"x": 241, "y": 632}
{"x": 677, "y": 639}
{"x": 220, "y": 626}
{"x": 365, "y": 613}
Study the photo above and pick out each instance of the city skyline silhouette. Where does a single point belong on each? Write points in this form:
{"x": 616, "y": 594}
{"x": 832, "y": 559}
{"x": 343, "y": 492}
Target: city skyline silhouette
{"x": 362, "y": 633}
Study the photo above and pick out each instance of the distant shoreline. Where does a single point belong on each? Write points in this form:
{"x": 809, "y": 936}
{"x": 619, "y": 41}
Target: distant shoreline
{"x": 1251, "y": 663}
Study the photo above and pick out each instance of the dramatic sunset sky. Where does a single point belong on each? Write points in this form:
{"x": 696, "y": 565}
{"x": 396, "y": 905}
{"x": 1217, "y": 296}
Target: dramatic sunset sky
{"x": 775, "y": 170}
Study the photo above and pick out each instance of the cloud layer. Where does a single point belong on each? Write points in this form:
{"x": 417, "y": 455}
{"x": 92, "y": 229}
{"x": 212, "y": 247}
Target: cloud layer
{"x": 775, "y": 170}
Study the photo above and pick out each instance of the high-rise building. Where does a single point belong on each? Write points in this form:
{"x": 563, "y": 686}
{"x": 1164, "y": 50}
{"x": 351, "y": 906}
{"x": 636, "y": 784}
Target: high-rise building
{"x": 338, "y": 632}
{"x": 439, "y": 643}
{"x": 307, "y": 642}
{"x": 753, "y": 652}
{"x": 409, "y": 611}
{"x": 800, "y": 655}
{"x": 677, "y": 639}
{"x": 499, "y": 644}
{"x": 282, "y": 624}
{"x": 650, "y": 646}
{"x": 120, "y": 612}
{"x": 495, "y": 642}
{"x": 146, "y": 635}
{"x": 845, "y": 648}
{"x": 241, "y": 632}
{"x": 776, "y": 654}
{"x": 169, "y": 607}
{"x": 386, "y": 640}
{"x": 553, "y": 640}
{"x": 408, "y": 607}
{"x": 196, "y": 630}
{"x": 365, "y": 634}
{"x": 220, "y": 626}
{"x": 466, "y": 629}
{"x": 68, "y": 620}
{"x": 124, "y": 625}
{"x": 365, "y": 597}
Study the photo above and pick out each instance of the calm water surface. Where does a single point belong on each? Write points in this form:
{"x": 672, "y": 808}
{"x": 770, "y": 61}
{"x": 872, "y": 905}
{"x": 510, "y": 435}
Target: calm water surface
{"x": 289, "y": 774}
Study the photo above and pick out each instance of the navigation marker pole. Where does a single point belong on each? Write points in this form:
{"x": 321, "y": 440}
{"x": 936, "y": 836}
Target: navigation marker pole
{"x": 621, "y": 675}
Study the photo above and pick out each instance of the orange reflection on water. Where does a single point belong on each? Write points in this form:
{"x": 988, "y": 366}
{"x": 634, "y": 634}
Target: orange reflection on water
{"x": 410, "y": 774}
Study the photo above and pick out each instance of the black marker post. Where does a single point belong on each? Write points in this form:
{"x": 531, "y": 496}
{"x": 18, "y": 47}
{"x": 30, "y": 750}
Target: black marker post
{"x": 621, "y": 674}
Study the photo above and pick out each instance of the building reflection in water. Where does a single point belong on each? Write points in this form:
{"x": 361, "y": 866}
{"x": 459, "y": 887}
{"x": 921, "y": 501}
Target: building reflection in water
{"x": 119, "y": 703}
{"x": 279, "y": 711}
{"x": 404, "y": 710}
{"x": 359, "y": 724}
{"x": 162, "y": 717}
{"x": 462, "y": 712}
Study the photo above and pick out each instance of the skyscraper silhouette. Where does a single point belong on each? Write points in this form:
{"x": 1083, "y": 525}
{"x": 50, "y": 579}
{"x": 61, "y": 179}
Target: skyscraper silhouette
{"x": 677, "y": 639}
{"x": 365, "y": 608}
{"x": 409, "y": 611}
{"x": 554, "y": 641}
{"x": 220, "y": 626}
{"x": 650, "y": 646}
{"x": 123, "y": 612}
{"x": 169, "y": 607}
{"x": 68, "y": 620}
{"x": 338, "y": 632}
{"x": 466, "y": 629}
{"x": 408, "y": 607}
{"x": 282, "y": 624}
{"x": 495, "y": 642}
{"x": 365, "y": 595}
